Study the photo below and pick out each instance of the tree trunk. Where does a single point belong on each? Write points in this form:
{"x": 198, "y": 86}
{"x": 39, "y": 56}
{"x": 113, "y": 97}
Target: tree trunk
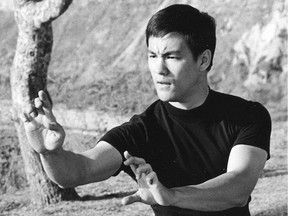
{"x": 28, "y": 76}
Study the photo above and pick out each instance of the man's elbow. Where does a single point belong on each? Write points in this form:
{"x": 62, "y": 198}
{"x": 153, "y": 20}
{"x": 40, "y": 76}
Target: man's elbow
{"x": 239, "y": 197}
{"x": 240, "y": 200}
{"x": 65, "y": 185}
{"x": 64, "y": 182}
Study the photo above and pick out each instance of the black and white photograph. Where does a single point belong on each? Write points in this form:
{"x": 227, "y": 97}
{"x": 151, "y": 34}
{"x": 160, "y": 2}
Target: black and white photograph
{"x": 143, "y": 108}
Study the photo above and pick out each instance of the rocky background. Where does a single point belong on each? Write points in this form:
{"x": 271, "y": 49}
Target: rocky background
{"x": 99, "y": 54}
{"x": 98, "y": 77}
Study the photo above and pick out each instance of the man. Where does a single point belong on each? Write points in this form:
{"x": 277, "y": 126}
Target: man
{"x": 193, "y": 152}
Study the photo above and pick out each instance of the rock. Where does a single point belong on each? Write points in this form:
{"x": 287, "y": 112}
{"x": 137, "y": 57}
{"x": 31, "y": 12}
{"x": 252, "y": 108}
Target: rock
{"x": 6, "y": 5}
{"x": 262, "y": 49}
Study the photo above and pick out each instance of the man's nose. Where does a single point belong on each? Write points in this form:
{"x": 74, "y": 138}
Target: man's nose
{"x": 160, "y": 67}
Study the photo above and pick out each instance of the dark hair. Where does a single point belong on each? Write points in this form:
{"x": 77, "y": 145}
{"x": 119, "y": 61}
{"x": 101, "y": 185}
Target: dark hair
{"x": 198, "y": 28}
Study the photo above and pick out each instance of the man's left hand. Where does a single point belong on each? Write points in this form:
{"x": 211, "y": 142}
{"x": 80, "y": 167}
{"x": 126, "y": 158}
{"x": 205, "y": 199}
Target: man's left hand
{"x": 150, "y": 190}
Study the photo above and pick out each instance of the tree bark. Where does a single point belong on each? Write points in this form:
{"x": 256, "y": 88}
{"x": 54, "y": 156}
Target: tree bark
{"x": 28, "y": 76}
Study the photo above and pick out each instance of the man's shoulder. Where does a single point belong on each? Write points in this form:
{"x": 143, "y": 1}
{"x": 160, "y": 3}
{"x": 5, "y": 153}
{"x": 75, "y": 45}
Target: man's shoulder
{"x": 150, "y": 113}
{"x": 153, "y": 109}
{"x": 237, "y": 106}
{"x": 228, "y": 99}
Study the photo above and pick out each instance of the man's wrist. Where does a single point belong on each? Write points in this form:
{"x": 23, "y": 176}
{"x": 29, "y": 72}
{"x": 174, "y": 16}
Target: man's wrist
{"x": 168, "y": 196}
{"x": 49, "y": 152}
{"x": 172, "y": 196}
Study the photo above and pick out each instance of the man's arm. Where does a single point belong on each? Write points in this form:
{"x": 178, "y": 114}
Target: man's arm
{"x": 66, "y": 168}
{"x": 228, "y": 190}
{"x": 69, "y": 169}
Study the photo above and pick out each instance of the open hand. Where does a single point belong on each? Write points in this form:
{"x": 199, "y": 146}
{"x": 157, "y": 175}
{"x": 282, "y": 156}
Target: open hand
{"x": 43, "y": 132}
{"x": 150, "y": 190}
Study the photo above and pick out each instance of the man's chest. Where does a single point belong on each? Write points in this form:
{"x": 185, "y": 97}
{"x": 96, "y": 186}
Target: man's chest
{"x": 184, "y": 154}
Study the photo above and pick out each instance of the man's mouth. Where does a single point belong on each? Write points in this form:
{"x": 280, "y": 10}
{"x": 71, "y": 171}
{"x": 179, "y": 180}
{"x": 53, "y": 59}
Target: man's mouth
{"x": 163, "y": 83}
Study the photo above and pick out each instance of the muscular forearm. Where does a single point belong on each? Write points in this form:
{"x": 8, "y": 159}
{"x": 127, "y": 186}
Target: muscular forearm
{"x": 231, "y": 189}
{"x": 69, "y": 169}
{"x": 223, "y": 192}
{"x": 65, "y": 168}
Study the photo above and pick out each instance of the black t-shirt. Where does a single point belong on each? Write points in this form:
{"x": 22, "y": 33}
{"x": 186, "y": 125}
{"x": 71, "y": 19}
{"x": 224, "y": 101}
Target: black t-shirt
{"x": 187, "y": 147}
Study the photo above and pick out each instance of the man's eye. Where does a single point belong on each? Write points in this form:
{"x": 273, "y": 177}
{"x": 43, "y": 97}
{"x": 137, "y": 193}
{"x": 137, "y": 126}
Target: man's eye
{"x": 152, "y": 56}
{"x": 173, "y": 57}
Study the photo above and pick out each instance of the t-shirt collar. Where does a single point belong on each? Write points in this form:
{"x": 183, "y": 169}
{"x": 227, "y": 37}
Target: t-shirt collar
{"x": 192, "y": 114}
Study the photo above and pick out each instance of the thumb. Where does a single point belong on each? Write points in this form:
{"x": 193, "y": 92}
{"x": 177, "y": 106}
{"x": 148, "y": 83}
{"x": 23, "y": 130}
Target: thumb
{"x": 131, "y": 199}
{"x": 25, "y": 118}
{"x": 29, "y": 123}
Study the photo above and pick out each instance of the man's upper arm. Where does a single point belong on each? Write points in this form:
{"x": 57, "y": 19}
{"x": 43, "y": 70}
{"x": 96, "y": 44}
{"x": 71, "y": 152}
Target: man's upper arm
{"x": 101, "y": 162}
{"x": 248, "y": 162}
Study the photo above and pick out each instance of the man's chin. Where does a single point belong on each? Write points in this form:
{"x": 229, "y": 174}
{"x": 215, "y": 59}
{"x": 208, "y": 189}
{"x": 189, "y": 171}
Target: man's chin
{"x": 164, "y": 98}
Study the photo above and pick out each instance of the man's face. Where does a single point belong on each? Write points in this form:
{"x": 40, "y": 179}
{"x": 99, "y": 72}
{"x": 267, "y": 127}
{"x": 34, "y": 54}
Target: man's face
{"x": 175, "y": 73}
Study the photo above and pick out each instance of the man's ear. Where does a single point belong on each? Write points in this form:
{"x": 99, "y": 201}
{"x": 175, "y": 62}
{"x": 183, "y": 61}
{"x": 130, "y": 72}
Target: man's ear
{"x": 205, "y": 59}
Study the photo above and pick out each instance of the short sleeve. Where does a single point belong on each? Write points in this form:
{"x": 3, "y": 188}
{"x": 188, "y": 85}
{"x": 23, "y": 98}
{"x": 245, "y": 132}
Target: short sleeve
{"x": 255, "y": 127}
{"x": 127, "y": 137}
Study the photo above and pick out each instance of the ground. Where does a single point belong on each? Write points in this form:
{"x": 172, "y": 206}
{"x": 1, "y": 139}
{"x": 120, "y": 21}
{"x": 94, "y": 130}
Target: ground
{"x": 268, "y": 199}
{"x": 86, "y": 46}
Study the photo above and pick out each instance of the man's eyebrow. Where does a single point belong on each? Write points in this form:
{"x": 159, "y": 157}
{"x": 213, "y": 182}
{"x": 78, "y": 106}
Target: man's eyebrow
{"x": 166, "y": 52}
{"x": 150, "y": 51}
{"x": 173, "y": 52}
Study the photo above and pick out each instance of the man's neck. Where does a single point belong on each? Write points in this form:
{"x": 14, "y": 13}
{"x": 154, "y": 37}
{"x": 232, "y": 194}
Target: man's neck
{"x": 196, "y": 100}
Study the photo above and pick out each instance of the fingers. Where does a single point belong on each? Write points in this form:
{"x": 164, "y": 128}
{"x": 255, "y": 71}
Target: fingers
{"x": 38, "y": 103}
{"x": 132, "y": 166}
{"x": 143, "y": 169}
{"x": 151, "y": 178}
{"x": 127, "y": 155}
{"x": 133, "y": 160}
{"x": 44, "y": 106}
{"x": 31, "y": 112}
{"x": 37, "y": 107}
{"x": 131, "y": 199}
{"x": 138, "y": 165}
{"x": 44, "y": 99}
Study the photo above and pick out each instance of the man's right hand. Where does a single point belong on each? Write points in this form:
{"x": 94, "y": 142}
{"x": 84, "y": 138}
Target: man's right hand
{"x": 44, "y": 134}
